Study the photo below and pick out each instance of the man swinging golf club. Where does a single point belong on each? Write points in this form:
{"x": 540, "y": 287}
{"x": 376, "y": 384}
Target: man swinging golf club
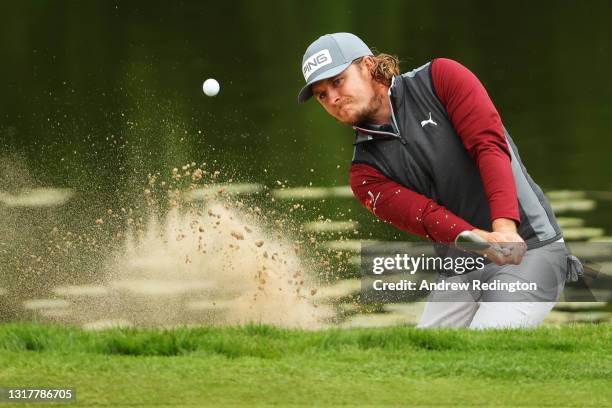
{"x": 433, "y": 158}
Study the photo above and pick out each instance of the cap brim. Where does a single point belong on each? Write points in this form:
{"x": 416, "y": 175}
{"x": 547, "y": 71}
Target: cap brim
{"x": 306, "y": 91}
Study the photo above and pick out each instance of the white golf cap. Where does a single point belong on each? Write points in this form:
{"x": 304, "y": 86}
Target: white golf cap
{"x": 328, "y": 56}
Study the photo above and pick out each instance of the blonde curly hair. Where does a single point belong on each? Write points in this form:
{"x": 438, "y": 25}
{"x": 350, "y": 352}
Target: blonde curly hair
{"x": 386, "y": 66}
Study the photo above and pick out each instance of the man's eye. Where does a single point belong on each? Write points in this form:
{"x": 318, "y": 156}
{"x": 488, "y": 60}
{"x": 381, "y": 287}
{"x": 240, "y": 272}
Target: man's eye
{"x": 337, "y": 81}
{"x": 321, "y": 96}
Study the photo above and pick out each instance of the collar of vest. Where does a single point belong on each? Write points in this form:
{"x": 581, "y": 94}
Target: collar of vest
{"x": 365, "y": 132}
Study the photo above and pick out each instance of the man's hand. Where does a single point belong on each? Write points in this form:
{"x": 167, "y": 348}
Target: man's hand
{"x": 504, "y": 235}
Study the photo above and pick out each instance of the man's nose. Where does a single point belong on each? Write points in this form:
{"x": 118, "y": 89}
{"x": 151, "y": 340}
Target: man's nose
{"x": 334, "y": 96}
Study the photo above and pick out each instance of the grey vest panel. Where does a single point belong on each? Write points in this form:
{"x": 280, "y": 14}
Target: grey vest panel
{"x": 427, "y": 156}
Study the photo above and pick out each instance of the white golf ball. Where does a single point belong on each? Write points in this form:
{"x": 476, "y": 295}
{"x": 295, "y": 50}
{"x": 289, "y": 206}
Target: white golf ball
{"x": 211, "y": 87}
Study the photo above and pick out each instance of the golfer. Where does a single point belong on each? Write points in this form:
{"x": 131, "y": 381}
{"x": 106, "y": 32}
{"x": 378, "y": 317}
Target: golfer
{"x": 433, "y": 158}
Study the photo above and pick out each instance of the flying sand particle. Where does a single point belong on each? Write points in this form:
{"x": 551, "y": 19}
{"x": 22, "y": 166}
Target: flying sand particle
{"x": 237, "y": 235}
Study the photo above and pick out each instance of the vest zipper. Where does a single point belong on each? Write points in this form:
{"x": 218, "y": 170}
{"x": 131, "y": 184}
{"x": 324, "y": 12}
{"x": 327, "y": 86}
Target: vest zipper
{"x": 391, "y": 104}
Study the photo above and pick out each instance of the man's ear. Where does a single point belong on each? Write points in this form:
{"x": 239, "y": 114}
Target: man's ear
{"x": 368, "y": 63}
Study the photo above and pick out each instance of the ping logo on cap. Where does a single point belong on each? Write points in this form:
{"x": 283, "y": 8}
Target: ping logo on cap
{"x": 318, "y": 60}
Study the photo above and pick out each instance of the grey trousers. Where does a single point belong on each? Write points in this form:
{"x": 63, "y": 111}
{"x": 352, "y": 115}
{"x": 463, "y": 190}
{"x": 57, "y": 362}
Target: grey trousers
{"x": 545, "y": 266}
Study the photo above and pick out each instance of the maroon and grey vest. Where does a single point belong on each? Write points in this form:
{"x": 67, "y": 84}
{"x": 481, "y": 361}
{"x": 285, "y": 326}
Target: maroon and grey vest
{"x": 422, "y": 151}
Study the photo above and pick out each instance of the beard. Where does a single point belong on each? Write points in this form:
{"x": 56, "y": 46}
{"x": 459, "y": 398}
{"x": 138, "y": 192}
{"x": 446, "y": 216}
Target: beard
{"x": 363, "y": 114}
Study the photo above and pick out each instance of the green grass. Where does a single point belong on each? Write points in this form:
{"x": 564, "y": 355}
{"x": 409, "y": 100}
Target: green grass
{"x": 262, "y": 365}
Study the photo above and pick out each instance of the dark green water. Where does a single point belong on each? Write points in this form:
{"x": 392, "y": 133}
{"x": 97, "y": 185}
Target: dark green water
{"x": 95, "y": 95}
{"x": 75, "y": 73}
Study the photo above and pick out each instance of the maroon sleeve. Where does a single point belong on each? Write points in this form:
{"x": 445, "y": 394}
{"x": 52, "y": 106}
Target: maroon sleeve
{"x": 404, "y": 208}
{"x": 478, "y": 124}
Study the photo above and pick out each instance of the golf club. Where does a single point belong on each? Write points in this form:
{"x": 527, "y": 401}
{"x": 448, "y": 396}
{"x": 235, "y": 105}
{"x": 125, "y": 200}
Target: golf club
{"x": 470, "y": 241}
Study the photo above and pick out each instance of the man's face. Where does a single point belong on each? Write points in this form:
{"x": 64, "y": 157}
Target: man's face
{"x": 350, "y": 97}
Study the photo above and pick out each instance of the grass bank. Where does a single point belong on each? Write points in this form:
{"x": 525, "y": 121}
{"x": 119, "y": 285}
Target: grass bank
{"x": 262, "y": 365}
